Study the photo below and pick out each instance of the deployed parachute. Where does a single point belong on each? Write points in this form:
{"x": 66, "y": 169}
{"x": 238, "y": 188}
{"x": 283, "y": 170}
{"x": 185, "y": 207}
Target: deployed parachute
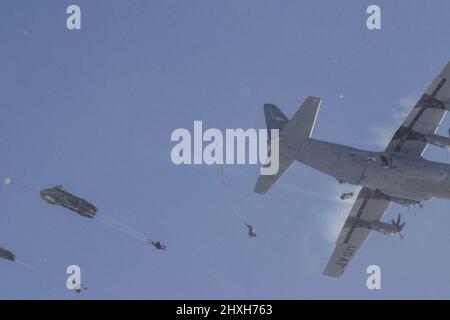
{"x": 7, "y": 181}
{"x": 8, "y": 255}
{"x": 59, "y": 196}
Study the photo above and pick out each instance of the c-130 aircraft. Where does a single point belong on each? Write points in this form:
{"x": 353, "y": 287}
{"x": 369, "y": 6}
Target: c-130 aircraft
{"x": 399, "y": 174}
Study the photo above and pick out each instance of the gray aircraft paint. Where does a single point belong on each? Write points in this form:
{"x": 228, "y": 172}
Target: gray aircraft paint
{"x": 399, "y": 174}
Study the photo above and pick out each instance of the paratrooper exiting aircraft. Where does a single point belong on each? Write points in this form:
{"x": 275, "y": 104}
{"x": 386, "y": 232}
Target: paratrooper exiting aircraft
{"x": 398, "y": 174}
{"x": 345, "y": 196}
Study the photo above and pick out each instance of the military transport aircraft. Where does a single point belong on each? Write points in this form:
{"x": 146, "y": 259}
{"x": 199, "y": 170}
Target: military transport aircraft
{"x": 399, "y": 174}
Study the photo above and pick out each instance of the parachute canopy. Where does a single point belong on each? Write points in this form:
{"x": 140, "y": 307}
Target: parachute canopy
{"x": 8, "y": 255}
{"x": 60, "y": 196}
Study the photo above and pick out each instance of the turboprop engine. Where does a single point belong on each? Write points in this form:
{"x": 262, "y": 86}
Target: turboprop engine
{"x": 389, "y": 229}
{"x": 439, "y": 141}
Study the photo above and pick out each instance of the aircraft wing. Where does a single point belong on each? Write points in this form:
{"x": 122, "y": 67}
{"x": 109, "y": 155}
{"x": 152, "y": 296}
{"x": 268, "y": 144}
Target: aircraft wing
{"x": 369, "y": 206}
{"x": 424, "y": 119}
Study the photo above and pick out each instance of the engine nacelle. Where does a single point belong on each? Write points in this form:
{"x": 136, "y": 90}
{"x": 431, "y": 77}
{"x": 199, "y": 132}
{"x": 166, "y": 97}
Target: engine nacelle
{"x": 377, "y": 226}
{"x": 439, "y": 141}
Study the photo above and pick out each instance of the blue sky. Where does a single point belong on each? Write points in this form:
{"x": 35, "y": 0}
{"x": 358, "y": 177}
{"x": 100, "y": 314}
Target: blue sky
{"x": 94, "y": 109}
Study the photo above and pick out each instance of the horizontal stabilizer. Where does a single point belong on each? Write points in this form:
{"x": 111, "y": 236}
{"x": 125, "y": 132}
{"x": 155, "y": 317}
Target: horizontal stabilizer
{"x": 299, "y": 128}
{"x": 264, "y": 183}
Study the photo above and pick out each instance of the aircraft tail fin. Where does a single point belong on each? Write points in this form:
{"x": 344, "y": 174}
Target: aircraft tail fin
{"x": 300, "y": 127}
{"x": 275, "y": 119}
{"x": 302, "y": 123}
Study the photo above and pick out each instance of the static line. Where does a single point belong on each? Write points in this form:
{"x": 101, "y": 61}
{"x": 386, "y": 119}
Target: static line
{"x": 112, "y": 220}
{"x": 25, "y": 264}
{"x": 228, "y": 196}
{"x": 122, "y": 230}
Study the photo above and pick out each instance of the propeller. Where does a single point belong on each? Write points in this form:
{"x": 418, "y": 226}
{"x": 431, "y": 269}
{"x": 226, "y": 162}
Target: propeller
{"x": 399, "y": 225}
{"x": 446, "y": 154}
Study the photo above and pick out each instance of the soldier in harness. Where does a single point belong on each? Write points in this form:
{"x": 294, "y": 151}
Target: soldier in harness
{"x": 156, "y": 244}
{"x": 251, "y": 230}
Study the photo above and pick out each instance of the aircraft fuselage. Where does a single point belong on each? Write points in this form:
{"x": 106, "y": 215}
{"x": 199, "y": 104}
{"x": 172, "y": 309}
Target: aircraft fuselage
{"x": 394, "y": 174}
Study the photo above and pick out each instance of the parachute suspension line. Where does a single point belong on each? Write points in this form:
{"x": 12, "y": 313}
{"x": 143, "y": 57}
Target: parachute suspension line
{"x": 132, "y": 235}
{"x": 233, "y": 207}
{"x": 123, "y": 230}
{"x": 222, "y": 175}
{"x": 117, "y": 222}
{"x": 228, "y": 197}
{"x": 110, "y": 221}
{"x": 45, "y": 269}
{"x": 23, "y": 263}
{"x": 21, "y": 183}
